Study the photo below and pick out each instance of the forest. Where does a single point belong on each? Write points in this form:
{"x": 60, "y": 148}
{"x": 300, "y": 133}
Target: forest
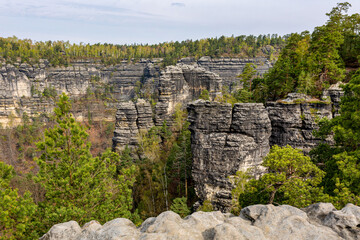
{"x": 67, "y": 180}
{"x": 60, "y": 53}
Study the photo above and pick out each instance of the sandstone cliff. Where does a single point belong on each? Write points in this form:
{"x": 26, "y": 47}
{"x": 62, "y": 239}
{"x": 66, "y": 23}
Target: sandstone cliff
{"x": 227, "y": 139}
{"x": 229, "y": 68}
{"x": 22, "y": 85}
{"x": 319, "y": 221}
{"x": 178, "y": 84}
{"x": 224, "y": 140}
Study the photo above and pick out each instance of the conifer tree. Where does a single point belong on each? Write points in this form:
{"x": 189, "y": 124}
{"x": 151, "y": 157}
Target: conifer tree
{"x": 79, "y": 186}
{"x": 16, "y": 212}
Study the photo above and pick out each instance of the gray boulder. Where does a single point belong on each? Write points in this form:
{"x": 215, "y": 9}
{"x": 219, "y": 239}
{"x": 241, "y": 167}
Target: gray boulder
{"x": 63, "y": 231}
{"x": 319, "y": 221}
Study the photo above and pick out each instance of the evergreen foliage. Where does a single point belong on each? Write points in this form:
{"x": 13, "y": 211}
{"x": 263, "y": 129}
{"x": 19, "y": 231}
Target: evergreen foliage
{"x": 342, "y": 161}
{"x": 57, "y": 53}
{"x": 310, "y": 63}
{"x": 165, "y": 166}
{"x": 79, "y": 186}
{"x": 180, "y": 207}
{"x": 16, "y": 212}
{"x": 291, "y": 178}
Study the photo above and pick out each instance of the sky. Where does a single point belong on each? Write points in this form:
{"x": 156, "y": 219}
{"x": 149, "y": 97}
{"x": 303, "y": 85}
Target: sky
{"x": 154, "y": 21}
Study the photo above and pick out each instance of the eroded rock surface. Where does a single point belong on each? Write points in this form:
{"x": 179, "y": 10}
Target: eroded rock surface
{"x": 224, "y": 140}
{"x": 178, "y": 84}
{"x": 293, "y": 123}
{"x": 131, "y": 118}
{"x": 227, "y": 139}
{"x": 181, "y": 84}
{"x": 22, "y": 84}
{"x": 320, "y": 221}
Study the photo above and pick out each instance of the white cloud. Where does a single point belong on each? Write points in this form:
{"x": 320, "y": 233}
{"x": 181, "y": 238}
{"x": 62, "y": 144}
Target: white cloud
{"x": 148, "y": 20}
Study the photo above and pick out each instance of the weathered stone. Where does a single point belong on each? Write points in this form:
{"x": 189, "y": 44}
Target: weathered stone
{"x": 225, "y": 140}
{"x": 181, "y": 84}
{"x": 178, "y": 85}
{"x": 293, "y": 123}
{"x": 263, "y": 222}
{"x": 21, "y": 86}
{"x": 126, "y": 129}
{"x": 63, "y": 231}
{"x": 334, "y": 94}
{"x": 285, "y": 222}
{"x": 346, "y": 222}
{"x": 118, "y": 229}
{"x": 229, "y": 68}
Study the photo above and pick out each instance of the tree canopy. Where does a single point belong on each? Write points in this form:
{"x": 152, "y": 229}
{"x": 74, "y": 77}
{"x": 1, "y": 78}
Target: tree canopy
{"x": 291, "y": 178}
{"x": 79, "y": 186}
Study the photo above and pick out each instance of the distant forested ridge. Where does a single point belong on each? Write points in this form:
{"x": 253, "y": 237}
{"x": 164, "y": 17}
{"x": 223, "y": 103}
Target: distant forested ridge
{"x": 13, "y": 49}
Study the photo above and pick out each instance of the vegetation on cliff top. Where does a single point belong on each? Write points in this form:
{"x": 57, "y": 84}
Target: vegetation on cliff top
{"x": 74, "y": 184}
{"x": 57, "y": 53}
{"x": 308, "y": 63}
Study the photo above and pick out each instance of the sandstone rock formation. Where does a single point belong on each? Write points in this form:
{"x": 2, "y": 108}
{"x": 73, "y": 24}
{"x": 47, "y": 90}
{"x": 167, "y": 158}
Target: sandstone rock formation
{"x": 178, "y": 84}
{"x": 227, "y": 139}
{"x": 229, "y": 68}
{"x": 131, "y": 118}
{"x": 22, "y": 85}
{"x": 293, "y": 123}
{"x": 319, "y": 221}
{"x": 182, "y": 84}
{"x": 224, "y": 140}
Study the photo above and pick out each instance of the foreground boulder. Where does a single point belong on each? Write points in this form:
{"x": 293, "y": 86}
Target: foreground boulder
{"x": 318, "y": 221}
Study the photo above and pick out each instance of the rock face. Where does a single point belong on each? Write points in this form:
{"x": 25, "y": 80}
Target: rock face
{"x": 293, "y": 123}
{"x": 227, "y": 139}
{"x": 22, "y": 85}
{"x": 224, "y": 140}
{"x": 319, "y": 221}
{"x": 131, "y": 118}
{"x": 229, "y": 68}
{"x": 178, "y": 84}
{"x": 183, "y": 84}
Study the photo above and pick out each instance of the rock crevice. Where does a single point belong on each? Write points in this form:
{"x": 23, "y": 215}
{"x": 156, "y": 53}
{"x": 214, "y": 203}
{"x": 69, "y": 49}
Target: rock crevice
{"x": 228, "y": 139}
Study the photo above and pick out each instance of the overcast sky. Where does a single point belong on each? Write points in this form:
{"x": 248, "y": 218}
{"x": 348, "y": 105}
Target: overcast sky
{"x": 154, "y": 21}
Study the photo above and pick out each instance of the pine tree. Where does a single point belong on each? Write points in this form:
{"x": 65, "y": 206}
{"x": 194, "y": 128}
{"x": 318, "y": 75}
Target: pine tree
{"x": 16, "y": 212}
{"x": 291, "y": 179}
{"x": 79, "y": 186}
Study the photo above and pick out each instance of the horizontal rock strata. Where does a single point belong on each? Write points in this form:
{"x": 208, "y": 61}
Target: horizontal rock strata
{"x": 25, "y": 81}
{"x": 227, "y": 139}
{"x": 224, "y": 140}
{"x": 131, "y": 118}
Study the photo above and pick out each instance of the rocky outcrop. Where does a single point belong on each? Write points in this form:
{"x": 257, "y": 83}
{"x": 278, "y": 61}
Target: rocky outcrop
{"x": 182, "y": 84}
{"x": 227, "y": 139}
{"x": 22, "y": 85}
{"x": 334, "y": 94}
{"x": 224, "y": 140}
{"x": 178, "y": 84}
{"x": 131, "y": 118}
{"x": 229, "y": 68}
{"x": 319, "y": 221}
{"x": 293, "y": 123}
